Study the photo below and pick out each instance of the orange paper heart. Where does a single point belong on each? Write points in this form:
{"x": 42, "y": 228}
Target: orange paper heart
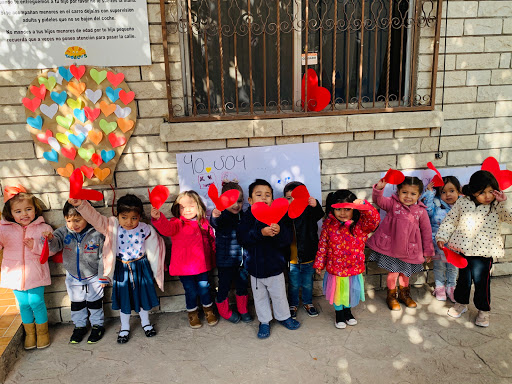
{"x": 95, "y": 136}
{"x": 107, "y": 108}
{"x": 125, "y": 124}
{"x": 76, "y": 88}
{"x": 101, "y": 173}
{"x": 66, "y": 171}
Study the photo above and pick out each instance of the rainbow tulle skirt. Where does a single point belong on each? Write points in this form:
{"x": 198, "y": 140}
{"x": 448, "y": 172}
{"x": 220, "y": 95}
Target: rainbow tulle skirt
{"x": 346, "y": 291}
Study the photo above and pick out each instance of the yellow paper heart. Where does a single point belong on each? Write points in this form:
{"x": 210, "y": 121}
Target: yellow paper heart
{"x": 74, "y": 104}
{"x": 62, "y": 138}
{"x": 208, "y": 169}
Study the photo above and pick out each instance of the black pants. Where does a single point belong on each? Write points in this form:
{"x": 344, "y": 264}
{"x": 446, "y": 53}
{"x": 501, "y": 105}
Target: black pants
{"x": 478, "y": 272}
{"x": 226, "y": 276}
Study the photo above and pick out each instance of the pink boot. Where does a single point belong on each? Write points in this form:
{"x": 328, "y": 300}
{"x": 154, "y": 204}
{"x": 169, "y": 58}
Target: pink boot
{"x": 226, "y": 313}
{"x": 241, "y": 303}
{"x": 450, "y": 293}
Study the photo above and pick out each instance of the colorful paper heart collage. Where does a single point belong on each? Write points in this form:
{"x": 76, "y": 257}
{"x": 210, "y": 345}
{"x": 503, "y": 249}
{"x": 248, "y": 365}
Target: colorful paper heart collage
{"x": 81, "y": 117}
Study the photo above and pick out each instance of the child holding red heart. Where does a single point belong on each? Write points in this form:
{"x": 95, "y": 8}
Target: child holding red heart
{"x": 193, "y": 252}
{"x": 472, "y": 227}
{"x": 341, "y": 252}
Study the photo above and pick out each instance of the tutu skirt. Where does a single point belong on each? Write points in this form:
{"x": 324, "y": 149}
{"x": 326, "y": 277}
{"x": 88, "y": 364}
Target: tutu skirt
{"x": 344, "y": 291}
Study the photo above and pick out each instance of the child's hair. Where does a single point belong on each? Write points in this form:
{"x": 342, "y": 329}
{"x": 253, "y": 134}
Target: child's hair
{"x": 478, "y": 182}
{"x": 342, "y": 196}
{"x": 448, "y": 179}
{"x": 70, "y": 211}
{"x": 130, "y": 203}
{"x": 413, "y": 181}
{"x": 228, "y": 185}
{"x": 257, "y": 182}
{"x": 201, "y": 208}
{"x": 6, "y": 212}
{"x": 291, "y": 186}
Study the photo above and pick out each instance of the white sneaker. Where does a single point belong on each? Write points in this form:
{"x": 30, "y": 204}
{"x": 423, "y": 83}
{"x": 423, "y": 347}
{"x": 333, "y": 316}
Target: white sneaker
{"x": 482, "y": 320}
{"x": 351, "y": 322}
{"x": 340, "y": 325}
{"x": 457, "y": 310}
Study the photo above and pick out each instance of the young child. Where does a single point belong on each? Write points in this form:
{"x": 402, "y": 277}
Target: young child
{"x": 267, "y": 250}
{"x": 82, "y": 247}
{"x": 403, "y": 239}
{"x": 229, "y": 258}
{"x": 193, "y": 252}
{"x": 472, "y": 228}
{"x": 21, "y": 238}
{"x": 133, "y": 254}
{"x": 341, "y": 252}
{"x": 303, "y": 251}
{"x": 438, "y": 205}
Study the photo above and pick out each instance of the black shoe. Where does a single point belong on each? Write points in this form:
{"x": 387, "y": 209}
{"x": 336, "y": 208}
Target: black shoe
{"x": 349, "y": 318}
{"x": 293, "y": 312}
{"x": 149, "y": 332}
{"x": 311, "y": 310}
{"x": 123, "y": 339}
{"x": 78, "y": 335}
{"x": 97, "y": 333}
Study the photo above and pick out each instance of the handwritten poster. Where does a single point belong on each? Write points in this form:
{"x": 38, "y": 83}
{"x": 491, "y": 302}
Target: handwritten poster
{"x": 278, "y": 165}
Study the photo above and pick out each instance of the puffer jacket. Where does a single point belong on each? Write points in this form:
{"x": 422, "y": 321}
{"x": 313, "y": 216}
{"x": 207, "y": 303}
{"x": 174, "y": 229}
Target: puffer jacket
{"x": 228, "y": 252}
{"x": 306, "y": 232}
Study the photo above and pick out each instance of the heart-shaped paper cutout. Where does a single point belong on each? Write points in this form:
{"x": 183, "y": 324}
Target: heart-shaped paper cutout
{"x": 87, "y": 171}
{"x": 77, "y": 140}
{"x": 35, "y": 122}
{"x": 43, "y": 137}
{"x": 96, "y": 159}
{"x": 270, "y": 215}
{"x": 45, "y": 253}
{"x": 79, "y": 114}
{"x": 65, "y": 121}
{"x": 125, "y": 125}
{"x": 504, "y": 177}
{"x": 122, "y": 112}
{"x": 126, "y": 97}
{"x": 158, "y": 196}
{"x": 92, "y": 113}
{"x": 63, "y": 138}
{"x": 113, "y": 94}
{"x": 116, "y": 141}
{"x": 114, "y": 79}
{"x": 66, "y": 171}
{"x": 95, "y": 136}
{"x": 106, "y": 156}
{"x": 39, "y": 92}
{"x": 76, "y": 88}
{"x": 70, "y": 153}
{"x": 76, "y": 181}
{"x": 318, "y": 97}
{"x": 31, "y": 104}
{"x": 85, "y": 153}
{"x": 49, "y": 110}
{"x": 48, "y": 82}
{"x": 299, "y": 203}
{"x": 65, "y": 73}
{"x": 59, "y": 98}
{"x": 107, "y": 108}
{"x": 52, "y": 141}
{"x": 51, "y": 156}
{"x": 77, "y": 72}
{"x": 83, "y": 129}
{"x": 394, "y": 176}
{"x": 107, "y": 127}
{"x": 226, "y": 200}
{"x": 101, "y": 174}
{"x": 437, "y": 179}
{"x": 56, "y": 75}
{"x": 98, "y": 76}
{"x": 74, "y": 104}
{"x": 94, "y": 96}
{"x": 360, "y": 207}
{"x": 454, "y": 258}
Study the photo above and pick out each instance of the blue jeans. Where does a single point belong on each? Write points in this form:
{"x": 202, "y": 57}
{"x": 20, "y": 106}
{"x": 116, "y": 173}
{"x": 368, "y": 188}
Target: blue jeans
{"x": 226, "y": 276}
{"x": 445, "y": 272}
{"x": 196, "y": 285}
{"x": 32, "y": 305}
{"x": 300, "y": 276}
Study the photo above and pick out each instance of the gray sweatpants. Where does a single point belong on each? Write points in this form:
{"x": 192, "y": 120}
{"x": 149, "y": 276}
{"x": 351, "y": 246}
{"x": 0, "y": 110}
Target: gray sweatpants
{"x": 85, "y": 295}
{"x": 266, "y": 289}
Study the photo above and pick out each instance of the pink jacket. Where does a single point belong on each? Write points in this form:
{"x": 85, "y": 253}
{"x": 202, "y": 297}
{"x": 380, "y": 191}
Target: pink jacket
{"x": 405, "y": 233}
{"x": 108, "y": 226}
{"x": 21, "y": 269}
{"x": 193, "y": 248}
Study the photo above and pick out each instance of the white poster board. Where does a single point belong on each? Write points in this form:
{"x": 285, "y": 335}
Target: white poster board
{"x": 51, "y": 33}
{"x": 278, "y": 165}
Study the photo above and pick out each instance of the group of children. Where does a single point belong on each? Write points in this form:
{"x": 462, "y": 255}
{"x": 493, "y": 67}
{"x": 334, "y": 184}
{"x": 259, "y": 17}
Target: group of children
{"x": 130, "y": 254}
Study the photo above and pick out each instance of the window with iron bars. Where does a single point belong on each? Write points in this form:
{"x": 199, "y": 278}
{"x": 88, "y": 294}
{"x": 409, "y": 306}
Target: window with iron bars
{"x": 246, "y": 59}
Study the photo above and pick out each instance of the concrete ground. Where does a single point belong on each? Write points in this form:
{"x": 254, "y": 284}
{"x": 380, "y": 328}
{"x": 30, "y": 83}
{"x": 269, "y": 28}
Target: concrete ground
{"x": 420, "y": 345}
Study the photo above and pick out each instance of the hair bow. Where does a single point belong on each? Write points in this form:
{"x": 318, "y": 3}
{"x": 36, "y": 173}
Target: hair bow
{"x": 10, "y": 192}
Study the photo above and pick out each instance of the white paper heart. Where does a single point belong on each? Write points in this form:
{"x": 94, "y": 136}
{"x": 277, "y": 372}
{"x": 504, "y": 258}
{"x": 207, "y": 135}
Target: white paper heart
{"x": 54, "y": 143}
{"x": 122, "y": 112}
{"x": 94, "y": 96}
{"x": 58, "y": 77}
{"x": 49, "y": 110}
{"x": 83, "y": 129}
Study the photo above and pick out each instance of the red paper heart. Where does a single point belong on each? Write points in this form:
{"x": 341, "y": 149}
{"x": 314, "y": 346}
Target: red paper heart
{"x": 226, "y": 200}
{"x": 76, "y": 180}
{"x": 31, "y": 104}
{"x": 88, "y": 172}
{"x": 77, "y": 72}
{"x": 92, "y": 113}
{"x": 504, "y": 177}
{"x": 158, "y": 196}
{"x": 96, "y": 159}
{"x": 270, "y": 215}
{"x": 45, "y": 253}
{"x": 116, "y": 141}
{"x": 394, "y": 177}
{"x": 43, "y": 137}
{"x": 70, "y": 153}
{"x": 300, "y": 201}
{"x": 114, "y": 79}
{"x": 57, "y": 258}
{"x": 359, "y": 207}
{"x": 126, "y": 97}
{"x": 39, "y": 92}
{"x": 454, "y": 258}
{"x": 318, "y": 97}
{"x": 437, "y": 179}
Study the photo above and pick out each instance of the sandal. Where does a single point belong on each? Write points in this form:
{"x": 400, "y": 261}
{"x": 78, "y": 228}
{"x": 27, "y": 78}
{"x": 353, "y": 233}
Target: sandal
{"x": 149, "y": 332}
{"x": 123, "y": 339}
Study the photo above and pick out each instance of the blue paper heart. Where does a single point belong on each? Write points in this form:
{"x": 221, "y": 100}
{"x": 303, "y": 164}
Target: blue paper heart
{"x": 113, "y": 94}
{"x": 59, "y": 98}
{"x": 65, "y": 73}
{"x": 51, "y": 156}
{"x": 77, "y": 139}
{"x": 35, "y": 122}
{"x": 79, "y": 114}
{"x": 106, "y": 156}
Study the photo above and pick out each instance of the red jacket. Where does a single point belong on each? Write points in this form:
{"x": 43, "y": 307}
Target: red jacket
{"x": 193, "y": 248}
{"x": 340, "y": 252}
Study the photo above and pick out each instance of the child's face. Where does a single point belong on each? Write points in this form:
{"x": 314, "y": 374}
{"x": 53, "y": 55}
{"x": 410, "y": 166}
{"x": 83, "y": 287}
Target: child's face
{"x": 486, "y": 196}
{"x": 237, "y": 207}
{"x": 76, "y": 223}
{"x": 23, "y": 211}
{"x": 129, "y": 220}
{"x": 343, "y": 214}
{"x": 288, "y": 196}
{"x": 261, "y": 194}
{"x": 409, "y": 194}
{"x": 449, "y": 194}
{"x": 188, "y": 207}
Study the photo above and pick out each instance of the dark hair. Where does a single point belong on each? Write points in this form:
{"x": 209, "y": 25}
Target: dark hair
{"x": 478, "y": 182}
{"x": 257, "y": 182}
{"x": 6, "y": 212}
{"x": 342, "y": 196}
{"x": 291, "y": 186}
{"x": 130, "y": 203}
{"x": 448, "y": 179}
{"x": 413, "y": 181}
{"x": 232, "y": 185}
{"x": 70, "y": 211}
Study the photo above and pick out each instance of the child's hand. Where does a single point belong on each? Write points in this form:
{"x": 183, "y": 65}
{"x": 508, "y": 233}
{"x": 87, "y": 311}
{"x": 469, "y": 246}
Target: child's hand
{"x": 318, "y": 271}
{"x": 216, "y": 213}
{"x": 267, "y": 231}
{"x": 29, "y": 243}
{"x": 104, "y": 285}
{"x": 75, "y": 202}
{"x": 430, "y": 186}
{"x": 440, "y": 244}
{"x": 358, "y": 201}
{"x": 500, "y": 196}
{"x": 312, "y": 201}
{"x": 155, "y": 213}
{"x": 428, "y": 259}
{"x": 381, "y": 184}
{"x": 48, "y": 235}
{"x": 275, "y": 228}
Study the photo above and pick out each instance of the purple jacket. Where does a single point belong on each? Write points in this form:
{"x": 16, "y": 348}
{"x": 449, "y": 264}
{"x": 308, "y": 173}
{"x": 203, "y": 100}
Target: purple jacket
{"x": 405, "y": 232}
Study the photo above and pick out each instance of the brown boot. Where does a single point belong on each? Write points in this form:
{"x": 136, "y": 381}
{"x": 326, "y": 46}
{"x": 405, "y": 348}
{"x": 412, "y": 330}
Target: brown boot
{"x": 30, "y": 335}
{"x": 210, "y": 316}
{"x": 404, "y": 296}
{"x": 43, "y": 336}
{"x": 392, "y": 301}
{"x": 193, "y": 319}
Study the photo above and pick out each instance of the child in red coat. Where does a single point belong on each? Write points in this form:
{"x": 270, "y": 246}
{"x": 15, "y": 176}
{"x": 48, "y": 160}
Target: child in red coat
{"x": 341, "y": 253}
